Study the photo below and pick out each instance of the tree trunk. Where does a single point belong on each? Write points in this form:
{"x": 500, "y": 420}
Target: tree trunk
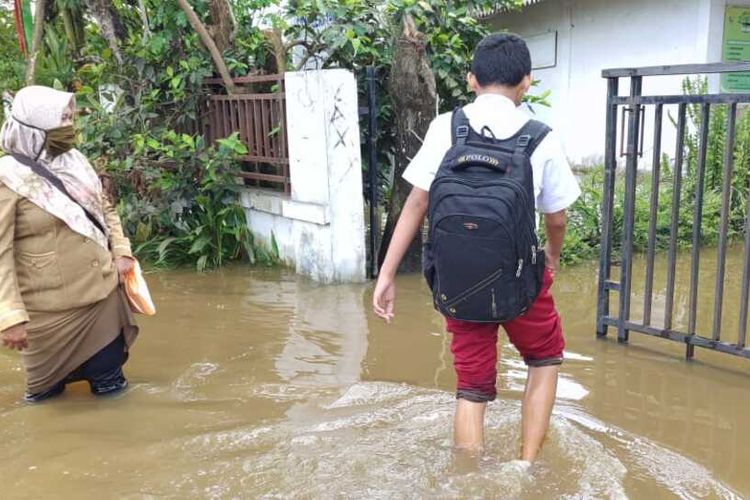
{"x": 110, "y": 23}
{"x": 70, "y": 29}
{"x": 277, "y": 50}
{"x": 143, "y": 12}
{"x": 36, "y": 42}
{"x": 223, "y": 25}
{"x": 198, "y": 26}
{"x": 412, "y": 91}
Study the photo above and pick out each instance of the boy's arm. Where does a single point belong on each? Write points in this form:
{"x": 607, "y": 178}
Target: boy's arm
{"x": 554, "y": 227}
{"x": 409, "y": 223}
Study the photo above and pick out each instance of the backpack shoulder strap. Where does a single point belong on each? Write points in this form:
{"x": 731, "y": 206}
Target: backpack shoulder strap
{"x": 531, "y": 136}
{"x": 459, "y": 126}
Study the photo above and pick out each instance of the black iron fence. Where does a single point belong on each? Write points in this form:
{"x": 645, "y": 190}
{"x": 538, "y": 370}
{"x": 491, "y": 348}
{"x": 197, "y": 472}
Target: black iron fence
{"x": 370, "y": 111}
{"x": 634, "y": 108}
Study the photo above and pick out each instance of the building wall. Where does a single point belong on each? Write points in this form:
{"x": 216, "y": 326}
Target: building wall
{"x": 593, "y": 35}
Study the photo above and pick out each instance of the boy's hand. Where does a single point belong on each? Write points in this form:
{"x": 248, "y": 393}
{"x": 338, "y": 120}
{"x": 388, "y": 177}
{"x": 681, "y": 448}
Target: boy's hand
{"x": 15, "y": 337}
{"x": 384, "y": 297}
{"x": 552, "y": 262}
{"x": 554, "y": 228}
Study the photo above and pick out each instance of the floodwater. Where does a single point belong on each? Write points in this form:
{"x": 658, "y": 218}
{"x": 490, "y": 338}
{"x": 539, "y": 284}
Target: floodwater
{"x": 255, "y": 383}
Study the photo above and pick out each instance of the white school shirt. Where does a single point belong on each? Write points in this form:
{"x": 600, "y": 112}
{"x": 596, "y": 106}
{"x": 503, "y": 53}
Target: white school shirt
{"x": 555, "y": 186}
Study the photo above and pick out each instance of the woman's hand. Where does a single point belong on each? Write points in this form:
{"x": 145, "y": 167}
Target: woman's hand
{"x": 15, "y": 337}
{"x": 124, "y": 266}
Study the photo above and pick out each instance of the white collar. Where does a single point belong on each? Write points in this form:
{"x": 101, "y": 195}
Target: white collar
{"x": 496, "y": 99}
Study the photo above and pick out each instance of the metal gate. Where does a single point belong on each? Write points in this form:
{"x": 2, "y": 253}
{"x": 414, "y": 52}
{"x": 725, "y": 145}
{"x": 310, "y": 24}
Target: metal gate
{"x": 635, "y": 108}
{"x": 372, "y": 176}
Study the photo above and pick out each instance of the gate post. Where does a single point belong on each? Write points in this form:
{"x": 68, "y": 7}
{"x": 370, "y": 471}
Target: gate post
{"x": 631, "y": 172}
{"x": 610, "y": 166}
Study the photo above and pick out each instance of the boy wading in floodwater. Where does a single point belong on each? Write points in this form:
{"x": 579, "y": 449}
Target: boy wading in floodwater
{"x": 481, "y": 173}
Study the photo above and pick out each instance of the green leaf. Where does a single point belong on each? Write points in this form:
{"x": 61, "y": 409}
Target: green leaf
{"x": 426, "y": 6}
{"x": 202, "y": 263}
{"x": 199, "y": 245}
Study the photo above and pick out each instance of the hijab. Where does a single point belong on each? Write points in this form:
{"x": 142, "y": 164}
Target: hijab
{"x": 34, "y": 129}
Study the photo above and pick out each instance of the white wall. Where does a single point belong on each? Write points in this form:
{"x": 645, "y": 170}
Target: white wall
{"x": 598, "y": 34}
{"x": 319, "y": 229}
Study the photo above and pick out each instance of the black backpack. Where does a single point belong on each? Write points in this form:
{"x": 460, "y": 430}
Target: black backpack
{"x": 482, "y": 259}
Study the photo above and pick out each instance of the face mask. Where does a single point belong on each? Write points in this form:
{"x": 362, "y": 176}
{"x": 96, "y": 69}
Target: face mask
{"x": 60, "y": 140}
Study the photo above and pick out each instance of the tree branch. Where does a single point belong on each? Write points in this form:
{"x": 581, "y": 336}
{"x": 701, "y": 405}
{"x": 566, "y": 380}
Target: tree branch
{"x": 36, "y": 42}
{"x": 198, "y": 26}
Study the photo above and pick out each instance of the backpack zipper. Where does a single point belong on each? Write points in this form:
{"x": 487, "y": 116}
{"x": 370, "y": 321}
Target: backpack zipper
{"x": 477, "y": 287}
{"x": 516, "y": 186}
{"x": 494, "y": 304}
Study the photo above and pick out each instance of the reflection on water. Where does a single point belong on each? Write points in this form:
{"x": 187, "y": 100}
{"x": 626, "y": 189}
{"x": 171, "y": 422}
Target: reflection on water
{"x": 256, "y": 383}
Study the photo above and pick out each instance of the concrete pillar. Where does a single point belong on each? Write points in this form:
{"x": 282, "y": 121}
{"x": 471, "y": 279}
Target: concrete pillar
{"x": 320, "y": 228}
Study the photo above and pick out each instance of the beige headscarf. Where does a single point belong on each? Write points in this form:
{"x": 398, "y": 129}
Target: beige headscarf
{"x": 36, "y": 110}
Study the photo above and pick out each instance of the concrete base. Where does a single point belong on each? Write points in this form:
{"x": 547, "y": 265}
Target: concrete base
{"x": 302, "y": 232}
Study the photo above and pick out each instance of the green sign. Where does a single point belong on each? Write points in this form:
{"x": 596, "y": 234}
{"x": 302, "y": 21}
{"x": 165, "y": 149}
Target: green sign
{"x": 736, "y": 47}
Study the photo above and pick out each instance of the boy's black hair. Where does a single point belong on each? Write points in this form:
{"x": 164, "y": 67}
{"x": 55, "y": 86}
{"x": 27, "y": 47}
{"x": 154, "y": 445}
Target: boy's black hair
{"x": 501, "y": 59}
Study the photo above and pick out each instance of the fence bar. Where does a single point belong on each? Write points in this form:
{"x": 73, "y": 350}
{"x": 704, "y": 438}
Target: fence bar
{"x": 373, "y": 160}
{"x": 679, "y": 99}
{"x": 726, "y": 195}
{"x": 631, "y": 172}
{"x": 256, "y": 128}
{"x": 247, "y": 97}
{"x": 233, "y": 109}
{"x": 697, "y": 219}
{"x": 695, "y": 340}
{"x": 745, "y": 280}
{"x": 610, "y": 166}
{"x": 262, "y": 177}
{"x": 650, "y": 254}
{"x": 246, "y": 79}
{"x": 678, "y": 69}
{"x": 676, "y": 192}
{"x": 252, "y": 144}
{"x": 265, "y": 159}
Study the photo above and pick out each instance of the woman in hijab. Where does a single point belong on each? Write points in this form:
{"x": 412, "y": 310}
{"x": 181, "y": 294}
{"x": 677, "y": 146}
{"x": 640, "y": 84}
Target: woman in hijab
{"x": 62, "y": 254}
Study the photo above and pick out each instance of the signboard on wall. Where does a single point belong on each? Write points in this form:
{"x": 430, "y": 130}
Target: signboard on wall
{"x": 736, "y": 47}
{"x": 543, "y": 49}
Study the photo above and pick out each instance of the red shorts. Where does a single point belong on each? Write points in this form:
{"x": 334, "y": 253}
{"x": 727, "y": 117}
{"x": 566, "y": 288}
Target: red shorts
{"x": 537, "y": 335}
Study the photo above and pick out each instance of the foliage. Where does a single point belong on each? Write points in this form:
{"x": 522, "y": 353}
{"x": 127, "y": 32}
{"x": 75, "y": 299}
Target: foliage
{"x": 201, "y": 220}
{"x": 179, "y": 196}
{"x": 11, "y": 61}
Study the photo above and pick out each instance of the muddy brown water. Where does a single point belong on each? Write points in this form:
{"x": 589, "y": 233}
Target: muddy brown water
{"x": 255, "y": 383}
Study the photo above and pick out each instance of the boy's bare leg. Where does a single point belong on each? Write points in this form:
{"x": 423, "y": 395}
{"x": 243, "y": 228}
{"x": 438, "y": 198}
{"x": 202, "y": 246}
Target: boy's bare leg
{"x": 468, "y": 425}
{"x": 538, "y": 400}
